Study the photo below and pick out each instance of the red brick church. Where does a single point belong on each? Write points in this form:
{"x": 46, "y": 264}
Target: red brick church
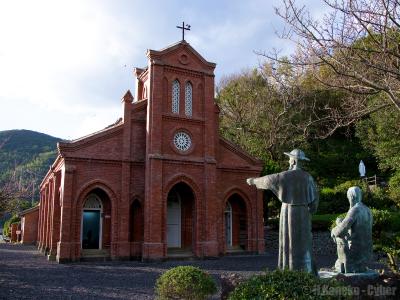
{"x": 160, "y": 182}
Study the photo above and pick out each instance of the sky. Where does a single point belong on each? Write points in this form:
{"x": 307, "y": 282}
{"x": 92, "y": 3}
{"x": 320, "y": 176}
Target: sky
{"x": 65, "y": 65}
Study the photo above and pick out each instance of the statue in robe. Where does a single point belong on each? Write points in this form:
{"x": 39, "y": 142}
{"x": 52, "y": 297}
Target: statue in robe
{"x": 297, "y": 191}
{"x": 353, "y": 235}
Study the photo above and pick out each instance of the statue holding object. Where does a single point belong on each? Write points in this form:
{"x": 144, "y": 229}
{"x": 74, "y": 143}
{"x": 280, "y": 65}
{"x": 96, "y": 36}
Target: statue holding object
{"x": 353, "y": 235}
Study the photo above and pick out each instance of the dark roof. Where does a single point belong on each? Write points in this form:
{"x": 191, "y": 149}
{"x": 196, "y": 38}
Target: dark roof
{"x": 27, "y": 211}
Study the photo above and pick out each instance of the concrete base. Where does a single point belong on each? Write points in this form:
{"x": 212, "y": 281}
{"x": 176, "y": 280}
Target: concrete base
{"x": 369, "y": 274}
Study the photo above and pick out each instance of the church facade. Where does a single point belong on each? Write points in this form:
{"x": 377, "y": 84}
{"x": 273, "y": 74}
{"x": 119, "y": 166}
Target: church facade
{"x": 158, "y": 183}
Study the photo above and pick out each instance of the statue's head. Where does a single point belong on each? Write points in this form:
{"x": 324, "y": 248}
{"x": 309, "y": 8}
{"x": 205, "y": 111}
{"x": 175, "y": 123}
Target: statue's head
{"x": 295, "y": 158}
{"x": 354, "y": 195}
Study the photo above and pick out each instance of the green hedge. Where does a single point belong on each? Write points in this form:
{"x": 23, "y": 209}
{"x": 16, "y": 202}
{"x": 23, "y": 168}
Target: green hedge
{"x": 319, "y": 222}
{"x": 185, "y": 282}
{"x": 323, "y": 222}
{"x": 290, "y": 285}
{"x": 383, "y": 220}
{"x": 334, "y": 200}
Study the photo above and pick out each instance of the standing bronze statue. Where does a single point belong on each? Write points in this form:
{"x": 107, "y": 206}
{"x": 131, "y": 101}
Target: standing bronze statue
{"x": 297, "y": 191}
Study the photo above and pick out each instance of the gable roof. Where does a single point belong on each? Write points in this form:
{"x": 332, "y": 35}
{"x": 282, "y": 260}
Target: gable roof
{"x": 181, "y": 44}
{"x": 29, "y": 210}
{"x": 88, "y": 139}
{"x": 240, "y": 152}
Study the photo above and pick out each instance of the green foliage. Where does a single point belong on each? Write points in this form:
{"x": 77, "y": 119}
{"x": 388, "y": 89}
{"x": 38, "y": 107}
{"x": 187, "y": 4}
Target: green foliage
{"x": 185, "y": 282}
{"x": 323, "y": 222}
{"x": 331, "y": 202}
{"x": 265, "y": 111}
{"x": 383, "y": 220}
{"x": 287, "y": 285}
{"x": 380, "y": 133}
{"x": 379, "y": 198}
{"x": 6, "y": 226}
{"x": 25, "y": 157}
{"x": 394, "y": 188}
{"x": 334, "y": 200}
{"x": 390, "y": 244}
{"x": 335, "y": 160}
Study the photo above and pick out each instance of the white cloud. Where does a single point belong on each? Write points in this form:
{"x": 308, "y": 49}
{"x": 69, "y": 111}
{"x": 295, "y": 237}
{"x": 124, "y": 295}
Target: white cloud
{"x": 64, "y": 65}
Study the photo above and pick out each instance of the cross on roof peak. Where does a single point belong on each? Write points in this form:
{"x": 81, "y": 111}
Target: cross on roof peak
{"x": 183, "y": 27}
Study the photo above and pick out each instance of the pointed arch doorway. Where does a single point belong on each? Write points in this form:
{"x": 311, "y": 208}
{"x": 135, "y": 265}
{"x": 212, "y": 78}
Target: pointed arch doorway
{"x": 236, "y": 231}
{"x": 180, "y": 218}
{"x": 228, "y": 225}
{"x": 91, "y": 223}
{"x": 95, "y": 229}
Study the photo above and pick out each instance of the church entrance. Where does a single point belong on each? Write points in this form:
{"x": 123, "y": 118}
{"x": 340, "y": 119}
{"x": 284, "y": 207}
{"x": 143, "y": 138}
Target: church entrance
{"x": 236, "y": 236}
{"x": 96, "y": 223}
{"x": 136, "y": 226}
{"x": 228, "y": 225}
{"x": 180, "y": 217}
{"x": 91, "y": 223}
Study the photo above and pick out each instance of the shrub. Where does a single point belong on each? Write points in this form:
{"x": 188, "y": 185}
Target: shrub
{"x": 379, "y": 198}
{"x": 383, "y": 220}
{"x": 185, "y": 282}
{"x": 332, "y": 201}
{"x": 394, "y": 188}
{"x": 6, "y": 226}
{"x": 289, "y": 285}
{"x": 390, "y": 244}
{"x": 323, "y": 222}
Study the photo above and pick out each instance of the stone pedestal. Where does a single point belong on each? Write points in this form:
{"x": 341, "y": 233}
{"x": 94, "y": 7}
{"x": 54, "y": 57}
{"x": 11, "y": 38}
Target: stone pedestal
{"x": 328, "y": 273}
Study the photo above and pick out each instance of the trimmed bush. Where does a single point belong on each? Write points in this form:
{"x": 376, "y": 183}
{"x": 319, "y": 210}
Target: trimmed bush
{"x": 332, "y": 201}
{"x": 323, "y": 222}
{"x": 383, "y": 220}
{"x": 379, "y": 198}
{"x": 290, "y": 285}
{"x": 185, "y": 282}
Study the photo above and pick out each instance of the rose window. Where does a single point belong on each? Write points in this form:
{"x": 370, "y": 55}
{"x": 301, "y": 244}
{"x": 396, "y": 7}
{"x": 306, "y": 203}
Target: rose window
{"x": 182, "y": 141}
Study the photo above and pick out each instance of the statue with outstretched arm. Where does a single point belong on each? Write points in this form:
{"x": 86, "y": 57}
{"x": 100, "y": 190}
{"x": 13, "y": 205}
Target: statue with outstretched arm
{"x": 297, "y": 191}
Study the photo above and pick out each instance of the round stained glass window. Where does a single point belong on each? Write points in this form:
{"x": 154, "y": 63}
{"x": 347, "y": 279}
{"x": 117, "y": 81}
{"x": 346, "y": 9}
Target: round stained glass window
{"x": 182, "y": 141}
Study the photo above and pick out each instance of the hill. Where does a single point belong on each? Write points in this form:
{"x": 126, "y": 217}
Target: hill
{"x": 25, "y": 157}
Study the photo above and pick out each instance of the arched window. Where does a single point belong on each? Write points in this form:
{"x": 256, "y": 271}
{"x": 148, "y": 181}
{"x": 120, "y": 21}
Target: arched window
{"x": 175, "y": 96}
{"x": 92, "y": 202}
{"x": 188, "y": 99}
{"x": 144, "y": 96}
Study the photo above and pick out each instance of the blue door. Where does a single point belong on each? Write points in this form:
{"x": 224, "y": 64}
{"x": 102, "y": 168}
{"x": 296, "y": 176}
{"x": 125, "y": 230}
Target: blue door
{"x": 91, "y": 229}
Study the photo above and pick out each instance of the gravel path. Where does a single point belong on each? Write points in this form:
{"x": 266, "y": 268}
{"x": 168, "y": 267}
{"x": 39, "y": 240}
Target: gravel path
{"x": 26, "y": 274}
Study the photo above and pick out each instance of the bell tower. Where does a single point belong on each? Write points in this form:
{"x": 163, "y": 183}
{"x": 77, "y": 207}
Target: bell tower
{"x": 181, "y": 138}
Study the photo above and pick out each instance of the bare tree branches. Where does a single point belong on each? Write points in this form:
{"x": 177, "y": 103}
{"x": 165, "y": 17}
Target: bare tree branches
{"x": 355, "y": 47}
{"x": 14, "y": 194}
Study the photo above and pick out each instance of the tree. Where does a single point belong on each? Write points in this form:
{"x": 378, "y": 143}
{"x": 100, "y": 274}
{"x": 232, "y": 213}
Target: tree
{"x": 380, "y": 134}
{"x": 355, "y": 47}
{"x": 13, "y": 196}
{"x": 255, "y": 116}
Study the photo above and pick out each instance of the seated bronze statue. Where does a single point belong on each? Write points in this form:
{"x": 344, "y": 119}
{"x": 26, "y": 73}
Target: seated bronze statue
{"x": 353, "y": 235}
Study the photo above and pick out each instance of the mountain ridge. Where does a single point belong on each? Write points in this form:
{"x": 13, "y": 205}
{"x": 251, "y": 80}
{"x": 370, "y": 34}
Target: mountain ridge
{"x": 25, "y": 157}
